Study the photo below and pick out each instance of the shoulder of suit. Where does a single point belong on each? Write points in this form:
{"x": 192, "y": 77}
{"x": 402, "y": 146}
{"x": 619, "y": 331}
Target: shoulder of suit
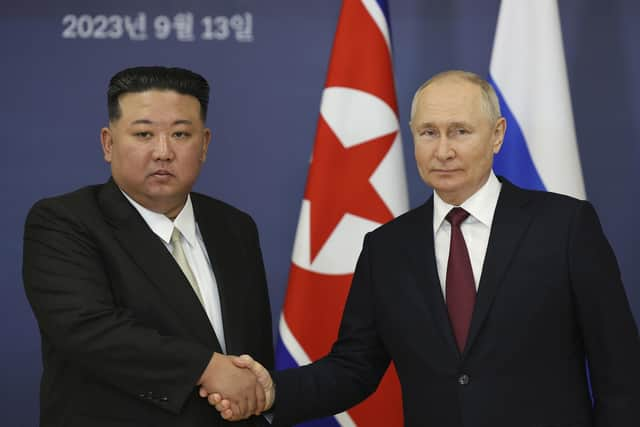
{"x": 422, "y": 215}
{"x": 545, "y": 199}
{"x": 207, "y": 203}
{"x": 79, "y": 198}
{"x": 77, "y": 209}
{"x": 405, "y": 223}
{"x": 202, "y": 200}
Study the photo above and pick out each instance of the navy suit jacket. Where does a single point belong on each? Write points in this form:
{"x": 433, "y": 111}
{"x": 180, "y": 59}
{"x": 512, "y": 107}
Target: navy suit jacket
{"x": 550, "y": 296}
{"x": 124, "y": 337}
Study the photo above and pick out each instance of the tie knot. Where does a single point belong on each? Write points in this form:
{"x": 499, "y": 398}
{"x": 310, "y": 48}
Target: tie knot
{"x": 175, "y": 236}
{"x": 456, "y": 216}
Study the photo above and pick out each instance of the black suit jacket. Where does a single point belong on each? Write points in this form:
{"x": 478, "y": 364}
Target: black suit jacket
{"x": 124, "y": 337}
{"x": 550, "y": 296}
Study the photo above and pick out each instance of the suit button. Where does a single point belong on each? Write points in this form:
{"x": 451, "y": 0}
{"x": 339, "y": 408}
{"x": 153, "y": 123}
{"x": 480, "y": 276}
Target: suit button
{"x": 463, "y": 379}
{"x": 164, "y": 399}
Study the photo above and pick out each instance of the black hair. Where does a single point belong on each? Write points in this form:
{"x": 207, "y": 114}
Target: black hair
{"x": 141, "y": 79}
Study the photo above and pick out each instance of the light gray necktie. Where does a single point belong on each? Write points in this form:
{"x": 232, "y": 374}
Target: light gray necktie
{"x": 181, "y": 259}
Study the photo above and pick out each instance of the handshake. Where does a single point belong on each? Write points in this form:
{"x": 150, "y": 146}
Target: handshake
{"x": 237, "y": 386}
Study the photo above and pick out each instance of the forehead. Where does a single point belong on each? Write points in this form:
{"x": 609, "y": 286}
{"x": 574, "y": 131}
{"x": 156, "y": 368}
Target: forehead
{"x": 160, "y": 103}
{"x": 449, "y": 99}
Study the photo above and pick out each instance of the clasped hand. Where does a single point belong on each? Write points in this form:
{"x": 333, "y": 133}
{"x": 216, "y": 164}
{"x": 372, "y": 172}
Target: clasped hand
{"x": 237, "y": 386}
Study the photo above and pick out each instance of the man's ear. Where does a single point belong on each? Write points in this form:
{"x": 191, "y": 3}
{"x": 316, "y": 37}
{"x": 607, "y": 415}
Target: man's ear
{"x": 106, "y": 140}
{"x": 498, "y": 134}
{"x": 206, "y": 140}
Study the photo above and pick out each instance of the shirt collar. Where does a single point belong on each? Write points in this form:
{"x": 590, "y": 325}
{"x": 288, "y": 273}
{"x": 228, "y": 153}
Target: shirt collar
{"x": 162, "y": 226}
{"x": 481, "y": 205}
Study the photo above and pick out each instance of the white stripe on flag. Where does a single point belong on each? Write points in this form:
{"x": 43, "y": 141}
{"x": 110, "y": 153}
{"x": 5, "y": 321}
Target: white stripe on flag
{"x": 529, "y": 68}
{"x": 291, "y": 343}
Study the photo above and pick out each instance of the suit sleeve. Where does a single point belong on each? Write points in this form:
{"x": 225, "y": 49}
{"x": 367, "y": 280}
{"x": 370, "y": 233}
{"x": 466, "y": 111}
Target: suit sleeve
{"x": 85, "y": 328}
{"x": 350, "y": 372}
{"x": 609, "y": 330}
{"x": 261, "y": 340}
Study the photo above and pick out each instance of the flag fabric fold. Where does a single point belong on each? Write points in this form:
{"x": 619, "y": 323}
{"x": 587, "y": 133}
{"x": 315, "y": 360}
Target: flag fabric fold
{"x": 356, "y": 182}
{"x": 529, "y": 73}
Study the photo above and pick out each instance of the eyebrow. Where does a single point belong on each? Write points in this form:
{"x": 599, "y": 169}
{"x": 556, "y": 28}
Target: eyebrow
{"x": 149, "y": 122}
{"x": 141, "y": 122}
{"x": 459, "y": 124}
{"x": 448, "y": 124}
{"x": 423, "y": 125}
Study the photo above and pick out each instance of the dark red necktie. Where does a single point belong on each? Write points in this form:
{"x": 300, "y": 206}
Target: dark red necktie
{"x": 460, "y": 286}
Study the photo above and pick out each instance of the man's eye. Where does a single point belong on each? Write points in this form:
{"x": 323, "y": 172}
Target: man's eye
{"x": 428, "y": 132}
{"x": 143, "y": 135}
{"x": 181, "y": 135}
{"x": 462, "y": 131}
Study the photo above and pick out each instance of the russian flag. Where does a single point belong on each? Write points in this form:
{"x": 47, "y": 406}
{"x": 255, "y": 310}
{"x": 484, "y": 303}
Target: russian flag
{"x": 529, "y": 73}
{"x": 356, "y": 182}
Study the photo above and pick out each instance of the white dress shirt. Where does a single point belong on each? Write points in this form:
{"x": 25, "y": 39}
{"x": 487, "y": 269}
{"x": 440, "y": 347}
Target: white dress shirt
{"x": 475, "y": 229}
{"x": 196, "y": 254}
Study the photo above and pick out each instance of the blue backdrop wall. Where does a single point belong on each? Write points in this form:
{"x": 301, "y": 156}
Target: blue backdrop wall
{"x": 266, "y": 61}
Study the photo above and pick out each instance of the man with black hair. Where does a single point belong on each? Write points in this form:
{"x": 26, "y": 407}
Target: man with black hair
{"x": 140, "y": 286}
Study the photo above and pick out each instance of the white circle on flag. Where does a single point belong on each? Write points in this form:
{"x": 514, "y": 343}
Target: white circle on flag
{"x": 356, "y": 116}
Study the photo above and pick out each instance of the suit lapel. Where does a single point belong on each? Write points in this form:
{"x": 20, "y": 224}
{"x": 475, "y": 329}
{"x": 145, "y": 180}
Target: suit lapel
{"x": 423, "y": 263}
{"x": 510, "y": 222}
{"x": 149, "y": 253}
{"x": 222, "y": 248}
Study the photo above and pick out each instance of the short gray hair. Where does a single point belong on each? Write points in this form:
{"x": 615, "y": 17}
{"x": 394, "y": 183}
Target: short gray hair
{"x": 489, "y": 104}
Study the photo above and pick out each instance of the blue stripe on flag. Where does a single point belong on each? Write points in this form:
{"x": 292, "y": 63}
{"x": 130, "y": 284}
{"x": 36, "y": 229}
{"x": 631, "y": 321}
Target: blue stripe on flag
{"x": 283, "y": 357}
{"x": 385, "y": 10}
{"x": 514, "y": 161}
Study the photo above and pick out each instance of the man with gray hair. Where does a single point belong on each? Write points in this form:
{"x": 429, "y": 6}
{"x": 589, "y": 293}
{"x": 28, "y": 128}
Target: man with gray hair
{"x": 488, "y": 298}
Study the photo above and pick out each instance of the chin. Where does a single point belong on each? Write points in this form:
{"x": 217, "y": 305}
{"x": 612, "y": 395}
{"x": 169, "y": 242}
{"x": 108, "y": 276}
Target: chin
{"x": 446, "y": 183}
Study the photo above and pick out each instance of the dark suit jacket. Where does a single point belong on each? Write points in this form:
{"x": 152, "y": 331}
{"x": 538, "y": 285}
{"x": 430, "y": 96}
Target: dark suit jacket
{"x": 550, "y": 296}
{"x": 124, "y": 338}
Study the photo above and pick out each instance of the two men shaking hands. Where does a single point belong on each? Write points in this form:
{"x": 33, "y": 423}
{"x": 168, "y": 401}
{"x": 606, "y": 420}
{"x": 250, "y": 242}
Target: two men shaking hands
{"x": 139, "y": 283}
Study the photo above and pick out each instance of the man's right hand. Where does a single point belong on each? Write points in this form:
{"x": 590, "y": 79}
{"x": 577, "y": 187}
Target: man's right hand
{"x": 225, "y": 405}
{"x": 226, "y": 375}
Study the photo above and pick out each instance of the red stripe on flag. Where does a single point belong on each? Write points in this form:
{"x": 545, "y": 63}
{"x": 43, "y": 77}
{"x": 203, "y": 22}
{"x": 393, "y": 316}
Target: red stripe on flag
{"x": 313, "y": 308}
{"x": 384, "y": 407}
{"x": 354, "y": 63}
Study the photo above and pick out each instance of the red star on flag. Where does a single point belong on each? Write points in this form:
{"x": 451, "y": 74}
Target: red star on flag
{"x": 339, "y": 183}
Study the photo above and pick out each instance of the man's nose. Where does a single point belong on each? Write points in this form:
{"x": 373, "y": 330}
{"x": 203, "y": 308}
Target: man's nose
{"x": 162, "y": 147}
{"x": 444, "y": 149}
